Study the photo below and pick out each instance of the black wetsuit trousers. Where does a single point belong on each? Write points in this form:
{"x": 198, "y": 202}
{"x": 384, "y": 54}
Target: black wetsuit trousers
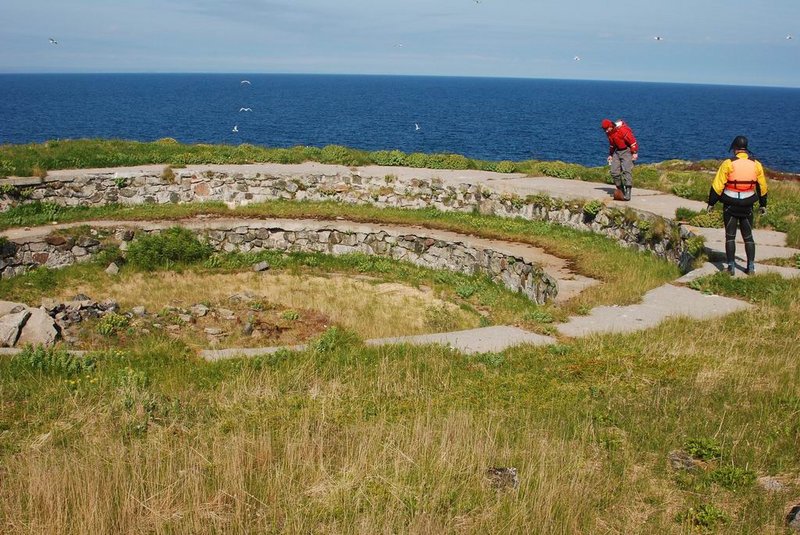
{"x": 739, "y": 216}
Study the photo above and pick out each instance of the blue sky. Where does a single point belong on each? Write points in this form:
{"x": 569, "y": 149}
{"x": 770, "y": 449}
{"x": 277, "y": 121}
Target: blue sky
{"x": 704, "y": 41}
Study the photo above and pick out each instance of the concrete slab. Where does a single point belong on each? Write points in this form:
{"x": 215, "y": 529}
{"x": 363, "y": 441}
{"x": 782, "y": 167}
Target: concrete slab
{"x": 711, "y": 268}
{"x": 240, "y": 352}
{"x": 658, "y": 304}
{"x": 482, "y": 340}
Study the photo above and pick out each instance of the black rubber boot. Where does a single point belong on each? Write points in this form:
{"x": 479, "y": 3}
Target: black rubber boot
{"x": 626, "y": 192}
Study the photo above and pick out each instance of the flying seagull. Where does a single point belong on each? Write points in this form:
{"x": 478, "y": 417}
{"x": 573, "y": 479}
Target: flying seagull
{"x": 245, "y": 109}
{"x": 789, "y": 36}
{"x": 577, "y": 58}
{"x": 658, "y": 38}
{"x": 416, "y": 126}
{"x": 53, "y": 41}
{"x": 235, "y": 128}
{"x": 245, "y": 82}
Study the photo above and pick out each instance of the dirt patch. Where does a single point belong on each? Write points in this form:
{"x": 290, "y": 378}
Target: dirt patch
{"x": 369, "y": 307}
{"x": 243, "y": 320}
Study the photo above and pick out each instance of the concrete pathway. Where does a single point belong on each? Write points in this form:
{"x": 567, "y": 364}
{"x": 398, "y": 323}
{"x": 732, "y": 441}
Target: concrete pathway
{"x": 482, "y": 340}
{"x": 664, "y": 302}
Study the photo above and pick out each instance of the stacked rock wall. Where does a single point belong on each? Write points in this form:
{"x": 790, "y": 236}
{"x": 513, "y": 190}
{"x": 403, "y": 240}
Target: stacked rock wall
{"x": 640, "y": 230}
{"x": 254, "y": 236}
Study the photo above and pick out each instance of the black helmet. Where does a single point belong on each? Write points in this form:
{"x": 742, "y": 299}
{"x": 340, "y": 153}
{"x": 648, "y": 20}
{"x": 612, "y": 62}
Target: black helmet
{"x": 738, "y": 143}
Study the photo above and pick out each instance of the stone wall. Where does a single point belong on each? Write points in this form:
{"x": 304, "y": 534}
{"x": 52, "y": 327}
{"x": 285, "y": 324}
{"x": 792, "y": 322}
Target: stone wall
{"x": 513, "y": 272}
{"x": 640, "y": 230}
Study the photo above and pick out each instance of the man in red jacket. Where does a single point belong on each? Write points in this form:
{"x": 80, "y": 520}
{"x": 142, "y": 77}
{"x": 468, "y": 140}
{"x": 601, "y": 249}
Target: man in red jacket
{"x": 622, "y": 152}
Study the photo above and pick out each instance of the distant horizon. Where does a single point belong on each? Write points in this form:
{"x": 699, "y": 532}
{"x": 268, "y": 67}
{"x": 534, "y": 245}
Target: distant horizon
{"x": 476, "y": 76}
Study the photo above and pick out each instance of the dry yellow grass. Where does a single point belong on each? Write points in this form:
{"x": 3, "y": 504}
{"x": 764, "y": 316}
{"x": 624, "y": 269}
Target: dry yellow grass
{"x": 364, "y": 306}
{"x": 175, "y": 482}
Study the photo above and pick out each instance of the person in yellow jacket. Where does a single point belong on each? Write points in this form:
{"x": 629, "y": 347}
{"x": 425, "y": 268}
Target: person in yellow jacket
{"x": 739, "y": 183}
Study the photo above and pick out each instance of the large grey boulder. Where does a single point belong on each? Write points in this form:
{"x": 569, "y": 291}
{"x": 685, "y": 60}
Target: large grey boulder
{"x": 6, "y": 307}
{"x": 40, "y": 329}
{"x": 10, "y": 325}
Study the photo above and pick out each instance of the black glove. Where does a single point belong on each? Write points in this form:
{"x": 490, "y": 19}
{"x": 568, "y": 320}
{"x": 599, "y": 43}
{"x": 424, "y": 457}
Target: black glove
{"x": 709, "y": 208}
{"x": 763, "y": 210}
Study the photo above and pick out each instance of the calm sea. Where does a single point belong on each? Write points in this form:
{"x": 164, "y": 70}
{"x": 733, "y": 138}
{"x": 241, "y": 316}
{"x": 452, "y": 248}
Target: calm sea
{"x": 488, "y": 118}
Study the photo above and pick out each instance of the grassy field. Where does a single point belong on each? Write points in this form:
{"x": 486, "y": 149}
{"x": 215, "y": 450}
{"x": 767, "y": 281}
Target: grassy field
{"x": 141, "y": 436}
{"x": 347, "y": 439}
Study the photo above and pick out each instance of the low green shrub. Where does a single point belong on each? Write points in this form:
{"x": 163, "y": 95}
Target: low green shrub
{"x": 168, "y": 175}
{"x": 505, "y": 166}
{"x": 704, "y": 517}
{"x": 707, "y": 219}
{"x": 704, "y": 449}
{"x": 732, "y": 477}
{"x": 388, "y": 157}
{"x": 50, "y": 360}
{"x": 334, "y": 339}
{"x": 290, "y": 315}
{"x": 112, "y": 323}
{"x": 465, "y": 291}
{"x": 696, "y": 245}
{"x": 592, "y": 208}
{"x": 559, "y": 170}
{"x": 175, "y": 245}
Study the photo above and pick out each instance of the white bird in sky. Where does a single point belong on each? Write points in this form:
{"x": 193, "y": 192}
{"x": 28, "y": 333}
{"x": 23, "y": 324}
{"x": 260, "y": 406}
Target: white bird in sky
{"x": 245, "y": 82}
{"x": 53, "y": 41}
{"x": 416, "y": 126}
{"x": 789, "y": 36}
{"x": 658, "y": 38}
{"x": 235, "y": 128}
{"x": 245, "y": 109}
{"x": 577, "y": 58}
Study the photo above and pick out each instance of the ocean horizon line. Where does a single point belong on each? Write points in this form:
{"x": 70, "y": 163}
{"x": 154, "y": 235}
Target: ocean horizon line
{"x": 388, "y": 75}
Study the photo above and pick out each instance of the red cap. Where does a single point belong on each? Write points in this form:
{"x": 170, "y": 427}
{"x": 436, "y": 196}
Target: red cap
{"x": 606, "y": 124}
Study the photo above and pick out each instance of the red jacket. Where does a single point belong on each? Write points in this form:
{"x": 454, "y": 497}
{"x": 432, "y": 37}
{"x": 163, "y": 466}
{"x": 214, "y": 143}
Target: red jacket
{"x": 621, "y": 137}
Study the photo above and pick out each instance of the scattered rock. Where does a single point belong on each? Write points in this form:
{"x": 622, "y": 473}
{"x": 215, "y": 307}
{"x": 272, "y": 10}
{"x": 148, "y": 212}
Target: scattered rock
{"x": 247, "y": 330}
{"x": 680, "y": 460}
{"x": 243, "y": 297}
{"x": 199, "y": 310}
{"x": 186, "y": 318}
{"x": 226, "y": 314}
{"x": 793, "y": 518}
{"x": 261, "y": 266}
{"x": 770, "y": 483}
{"x": 81, "y": 297}
{"x": 139, "y": 311}
{"x": 10, "y": 326}
{"x": 124, "y": 235}
{"x": 108, "y": 305}
{"x": 503, "y": 477}
{"x": 39, "y": 329}
{"x": 50, "y": 305}
{"x": 112, "y": 269}
{"x": 213, "y": 331}
{"x": 8, "y": 307}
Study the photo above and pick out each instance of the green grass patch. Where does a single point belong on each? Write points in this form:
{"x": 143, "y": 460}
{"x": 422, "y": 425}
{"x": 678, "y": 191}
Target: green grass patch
{"x": 174, "y": 246}
{"x": 769, "y": 288}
